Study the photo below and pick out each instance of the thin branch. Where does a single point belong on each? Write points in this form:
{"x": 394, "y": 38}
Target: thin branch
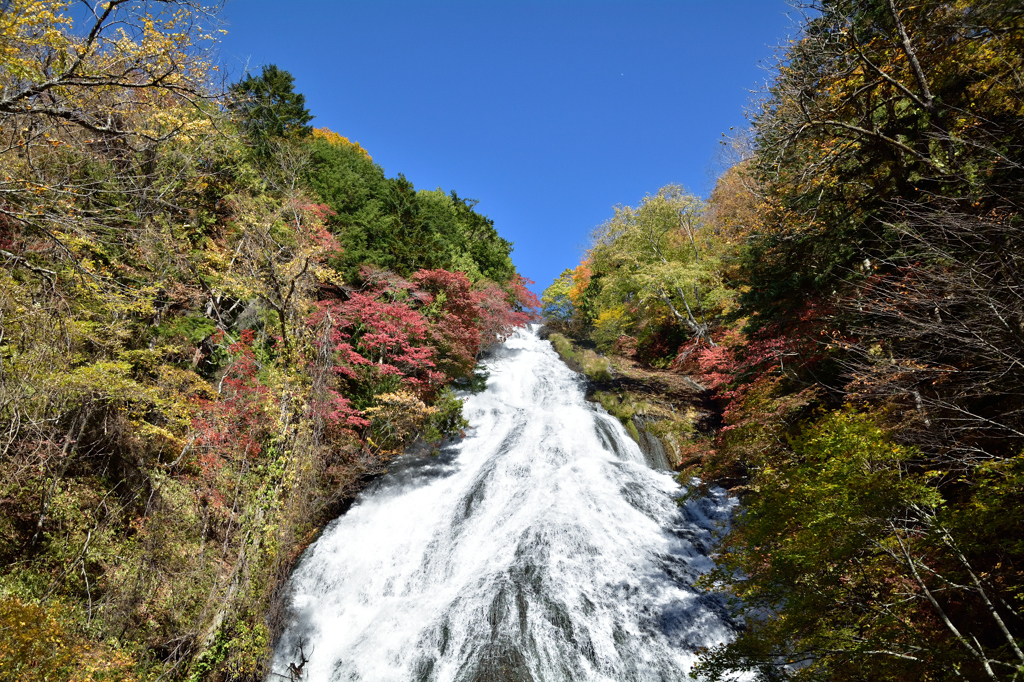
{"x": 915, "y": 66}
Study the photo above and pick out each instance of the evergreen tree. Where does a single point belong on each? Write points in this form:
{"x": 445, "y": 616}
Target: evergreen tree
{"x": 269, "y": 107}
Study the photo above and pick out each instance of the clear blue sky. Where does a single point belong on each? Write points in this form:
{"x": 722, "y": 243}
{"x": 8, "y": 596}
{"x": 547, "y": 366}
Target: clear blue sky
{"x": 549, "y": 113}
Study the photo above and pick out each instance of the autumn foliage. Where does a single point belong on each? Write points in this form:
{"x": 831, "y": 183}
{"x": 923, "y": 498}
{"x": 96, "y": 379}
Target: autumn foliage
{"x": 198, "y": 367}
{"x": 851, "y": 304}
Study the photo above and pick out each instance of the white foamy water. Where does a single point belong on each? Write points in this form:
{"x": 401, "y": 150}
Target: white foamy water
{"x": 540, "y": 548}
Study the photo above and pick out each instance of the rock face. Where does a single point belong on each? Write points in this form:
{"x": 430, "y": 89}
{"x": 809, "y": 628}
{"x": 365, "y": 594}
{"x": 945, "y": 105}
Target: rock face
{"x": 661, "y": 409}
{"x": 651, "y": 445}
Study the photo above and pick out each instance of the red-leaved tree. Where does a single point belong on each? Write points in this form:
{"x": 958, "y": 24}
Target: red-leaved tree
{"x": 453, "y": 313}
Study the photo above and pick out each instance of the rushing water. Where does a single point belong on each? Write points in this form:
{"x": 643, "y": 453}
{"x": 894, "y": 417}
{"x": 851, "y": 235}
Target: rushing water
{"x": 542, "y": 547}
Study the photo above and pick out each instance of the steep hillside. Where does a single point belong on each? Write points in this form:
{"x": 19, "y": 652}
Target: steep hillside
{"x": 215, "y": 324}
{"x": 851, "y": 293}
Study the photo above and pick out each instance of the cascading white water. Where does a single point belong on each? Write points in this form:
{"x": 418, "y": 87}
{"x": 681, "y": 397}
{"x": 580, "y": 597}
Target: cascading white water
{"x": 539, "y": 548}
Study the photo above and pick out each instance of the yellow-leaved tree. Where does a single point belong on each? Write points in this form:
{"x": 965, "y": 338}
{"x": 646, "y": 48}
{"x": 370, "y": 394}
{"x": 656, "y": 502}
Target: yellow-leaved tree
{"x": 87, "y": 100}
{"x": 662, "y": 254}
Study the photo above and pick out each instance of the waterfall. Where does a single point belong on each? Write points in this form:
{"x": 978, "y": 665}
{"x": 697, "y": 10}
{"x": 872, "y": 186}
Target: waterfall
{"x": 540, "y": 548}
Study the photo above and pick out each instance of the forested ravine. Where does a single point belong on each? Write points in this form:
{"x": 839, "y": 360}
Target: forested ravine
{"x": 541, "y": 546}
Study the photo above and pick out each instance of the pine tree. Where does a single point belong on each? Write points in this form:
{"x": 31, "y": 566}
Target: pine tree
{"x": 269, "y": 107}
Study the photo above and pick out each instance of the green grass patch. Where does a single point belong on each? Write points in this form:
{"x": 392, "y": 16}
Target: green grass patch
{"x": 595, "y": 366}
{"x": 592, "y": 364}
{"x": 563, "y": 347}
{"x": 620, "y": 407}
{"x": 631, "y": 427}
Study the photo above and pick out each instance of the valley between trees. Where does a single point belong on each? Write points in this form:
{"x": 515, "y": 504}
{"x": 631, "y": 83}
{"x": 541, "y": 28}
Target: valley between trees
{"x": 850, "y": 296}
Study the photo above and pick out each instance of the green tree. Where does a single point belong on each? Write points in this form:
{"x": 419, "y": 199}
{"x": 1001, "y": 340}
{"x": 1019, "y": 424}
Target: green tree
{"x": 386, "y": 222}
{"x": 661, "y": 254}
{"x": 866, "y": 571}
{"x": 558, "y": 306}
{"x": 880, "y": 103}
{"x": 268, "y": 107}
{"x": 886, "y": 241}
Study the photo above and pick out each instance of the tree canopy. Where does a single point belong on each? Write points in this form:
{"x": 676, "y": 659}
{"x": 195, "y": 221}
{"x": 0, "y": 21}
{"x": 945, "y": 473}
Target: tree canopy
{"x": 268, "y": 107}
{"x": 387, "y": 222}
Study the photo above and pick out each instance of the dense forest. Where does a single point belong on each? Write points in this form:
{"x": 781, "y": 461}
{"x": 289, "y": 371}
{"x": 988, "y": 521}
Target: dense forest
{"x": 217, "y": 322}
{"x": 851, "y": 299}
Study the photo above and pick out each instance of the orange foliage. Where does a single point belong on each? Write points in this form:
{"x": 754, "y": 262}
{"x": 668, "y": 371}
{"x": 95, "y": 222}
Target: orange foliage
{"x": 736, "y": 205}
{"x": 580, "y": 282}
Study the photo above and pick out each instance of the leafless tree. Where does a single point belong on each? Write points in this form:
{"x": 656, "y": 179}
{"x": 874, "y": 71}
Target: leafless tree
{"x": 943, "y": 332}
